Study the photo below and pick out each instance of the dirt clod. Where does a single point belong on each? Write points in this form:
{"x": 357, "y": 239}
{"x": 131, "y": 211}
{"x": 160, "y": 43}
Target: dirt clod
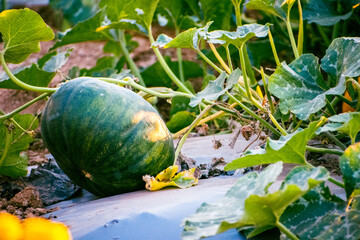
{"x": 29, "y": 196}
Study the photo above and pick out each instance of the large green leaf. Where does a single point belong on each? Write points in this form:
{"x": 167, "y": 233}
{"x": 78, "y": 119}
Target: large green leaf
{"x": 348, "y": 123}
{"x": 113, "y": 8}
{"x": 248, "y": 202}
{"x": 22, "y": 31}
{"x": 325, "y": 12}
{"x": 342, "y": 58}
{"x": 216, "y": 88}
{"x": 288, "y": 149}
{"x": 207, "y": 219}
{"x": 174, "y": 11}
{"x": 317, "y": 215}
{"x": 300, "y": 86}
{"x": 83, "y": 31}
{"x": 15, "y": 163}
{"x": 270, "y": 6}
{"x": 155, "y": 76}
{"x": 350, "y": 168}
{"x": 75, "y": 10}
{"x": 142, "y": 11}
{"x": 39, "y": 74}
{"x": 240, "y": 36}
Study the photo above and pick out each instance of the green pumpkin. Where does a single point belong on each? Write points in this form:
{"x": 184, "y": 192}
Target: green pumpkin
{"x": 105, "y": 137}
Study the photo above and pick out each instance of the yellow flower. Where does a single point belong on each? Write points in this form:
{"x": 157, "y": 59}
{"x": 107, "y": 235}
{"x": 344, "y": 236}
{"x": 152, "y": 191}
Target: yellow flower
{"x": 10, "y": 227}
{"x": 40, "y": 228}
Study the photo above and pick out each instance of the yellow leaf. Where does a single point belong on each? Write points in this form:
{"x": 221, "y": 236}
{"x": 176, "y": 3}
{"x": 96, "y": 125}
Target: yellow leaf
{"x": 167, "y": 178}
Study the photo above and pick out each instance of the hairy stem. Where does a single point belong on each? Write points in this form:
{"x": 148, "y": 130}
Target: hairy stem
{"x": 228, "y": 55}
{"x": 219, "y": 58}
{"x": 179, "y": 57}
{"x": 16, "y": 111}
{"x": 191, "y": 127}
{"x": 286, "y": 231}
{"x": 273, "y": 48}
{"x": 301, "y": 30}
{"x": 324, "y": 150}
{"x": 166, "y": 68}
{"x": 209, "y": 61}
{"x": 20, "y": 83}
{"x": 291, "y": 36}
{"x": 134, "y": 69}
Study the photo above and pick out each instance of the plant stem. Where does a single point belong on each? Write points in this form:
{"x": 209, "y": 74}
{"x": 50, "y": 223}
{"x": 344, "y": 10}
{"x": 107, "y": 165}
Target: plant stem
{"x": 20, "y": 83}
{"x": 335, "y": 140}
{"x": 228, "y": 55}
{"x": 344, "y": 99}
{"x": 166, "y": 68}
{"x": 291, "y": 36}
{"x": 130, "y": 82}
{"x": 8, "y": 139}
{"x": 179, "y": 57}
{"x": 277, "y": 125}
{"x": 301, "y": 30}
{"x": 336, "y": 182}
{"x": 324, "y": 150}
{"x": 129, "y": 60}
{"x": 246, "y": 109}
{"x": 267, "y": 93}
{"x": 330, "y": 107}
{"x": 16, "y": 111}
{"x": 336, "y": 30}
{"x": 219, "y": 58}
{"x": 204, "y": 120}
{"x": 191, "y": 127}
{"x": 286, "y": 231}
{"x": 273, "y": 48}
{"x": 209, "y": 61}
{"x": 238, "y": 14}
{"x": 323, "y": 35}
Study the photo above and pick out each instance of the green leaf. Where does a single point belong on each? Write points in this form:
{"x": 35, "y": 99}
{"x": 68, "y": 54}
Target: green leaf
{"x": 105, "y": 66}
{"x": 83, "y": 31}
{"x": 300, "y": 86}
{"x": 142, "y": 11}
{"x": 187, "y": 39}
{"x": 350, "y": 168}
{"x": 155, "y": 76}
{"x": 207, "y": 219}
{"x": 15, "y": 164}
{"x": 348, "y": 123}
{"x": 113, "y": 8}
{"x": 22, "y": 31}
{"x": 270, "y": 6}
{"x": 37, "y": 75}
{"x": 288, "y": 149}
{"x": 74, "y": 10}
{"x": 312, "y": 214}
{"x": 174, "y": 10}
{"x": 217, "y": 11}
{"x": 240, "y": 36}
{"x": 326, "y": 14}
{"x": 318, "y": 216}
{"x": 216, "y": 88}
{"x": 342, "y": 58}
{"x": 248, "y": 202}
{"x": 180, "y": 120}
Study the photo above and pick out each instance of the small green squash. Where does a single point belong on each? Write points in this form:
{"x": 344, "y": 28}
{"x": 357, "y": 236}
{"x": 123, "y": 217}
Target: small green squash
{"x": 105, "y": 137}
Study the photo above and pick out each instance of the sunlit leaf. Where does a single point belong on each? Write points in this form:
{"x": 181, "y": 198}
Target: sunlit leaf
{"x": 300, "y": 86}
{"x": 169, "y": 178}
{"x": 325, "y": 13}
{"x": 22, "y": 31}
{"x": 342, "y": 58}
{"x": 216, "y": 88}
{"x": 240, "y": 36}
{"x": 350, "y": 168}
{"x": 271, "y": 6}
{"x": 248, "y": 202}
{"x": 83, "y": 31}
{"x": 348, "y": 123}
{"x": 113, "y": 8}
{"x": 15, "y": 163}
{"x": 288, "y": 149}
